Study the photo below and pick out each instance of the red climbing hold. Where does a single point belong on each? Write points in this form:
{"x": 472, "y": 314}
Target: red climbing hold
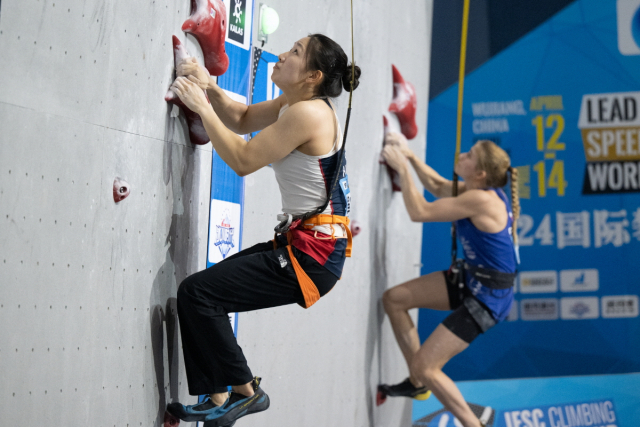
{"x": 355, "y": 228}
{"x": 197, "y": 133}
{"x": 404, "y": 104}
{"x": 121, "y": 189}
{"x": 208, "y": 24}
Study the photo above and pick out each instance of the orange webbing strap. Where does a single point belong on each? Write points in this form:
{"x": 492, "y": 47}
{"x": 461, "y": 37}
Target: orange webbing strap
{"x": 309, "y": 290}
{"x": 324, "y": 219}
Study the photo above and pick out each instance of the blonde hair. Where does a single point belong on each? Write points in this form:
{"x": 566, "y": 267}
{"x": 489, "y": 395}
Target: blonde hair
{"x": 496, "y": 163}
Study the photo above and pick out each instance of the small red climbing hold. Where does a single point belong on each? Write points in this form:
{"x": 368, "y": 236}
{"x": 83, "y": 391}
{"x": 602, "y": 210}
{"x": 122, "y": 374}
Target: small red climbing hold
{"x": 121, "y": 189}
{"x": 355, "y": 228}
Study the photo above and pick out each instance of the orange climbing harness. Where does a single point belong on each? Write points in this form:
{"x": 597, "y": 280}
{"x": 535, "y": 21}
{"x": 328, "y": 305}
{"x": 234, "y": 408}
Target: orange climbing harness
{"x": 309, "y": 289}
{"x": 325, "y": 219}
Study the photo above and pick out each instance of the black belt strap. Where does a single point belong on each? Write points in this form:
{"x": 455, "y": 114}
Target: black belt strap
{"x": 490, "y": 278}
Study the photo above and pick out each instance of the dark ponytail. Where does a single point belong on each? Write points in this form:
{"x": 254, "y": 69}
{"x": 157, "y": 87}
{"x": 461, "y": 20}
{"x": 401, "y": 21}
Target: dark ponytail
{"x": 327, "y": 56}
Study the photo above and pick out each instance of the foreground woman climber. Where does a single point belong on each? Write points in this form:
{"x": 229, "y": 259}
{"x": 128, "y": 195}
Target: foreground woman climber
{"x": 483, "y": 296}
{"x": 300, "y": 136}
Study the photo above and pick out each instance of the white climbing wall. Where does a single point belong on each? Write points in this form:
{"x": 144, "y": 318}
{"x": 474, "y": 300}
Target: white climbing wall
{"x": 87, "y": 286}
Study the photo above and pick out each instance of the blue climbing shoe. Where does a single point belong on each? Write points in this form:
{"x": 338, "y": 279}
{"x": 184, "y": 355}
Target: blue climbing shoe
{"x": 197, "y": 412}
{"x": 237, "y": 406}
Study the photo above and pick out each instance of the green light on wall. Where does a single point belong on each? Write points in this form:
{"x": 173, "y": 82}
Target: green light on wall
{"x": 269, "y": 21}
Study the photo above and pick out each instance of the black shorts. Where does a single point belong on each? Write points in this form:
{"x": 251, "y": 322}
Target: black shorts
{"x": 461, "y": 322}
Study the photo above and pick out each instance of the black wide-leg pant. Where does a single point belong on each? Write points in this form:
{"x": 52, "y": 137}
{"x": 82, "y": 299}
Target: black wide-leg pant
{"x": 255, "y": 278}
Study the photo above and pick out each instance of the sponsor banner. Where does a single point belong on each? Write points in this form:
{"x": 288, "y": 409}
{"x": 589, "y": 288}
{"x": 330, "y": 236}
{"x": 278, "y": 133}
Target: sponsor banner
{"x": 536, "y": 282}
{"x": 628, "y": 27}
{"x": 539, "y": 309}
{"x": 226, "y": 185}
{"x": 492, "y": 117}
{"x": 224, "y": 239}
{"x": 591, "y": 401}
{"x": 227, "y": 188}
{"x": 600, "y": 413}
{"x": 574, "y": 137}
{"x": 444, "y": 418}
{"x": 610, "y": 125}
{"x": 611, "y": 177}
{"x": 579, "y": 308}
{"x": 579, "y": 280}
{"x": 619, "y": 306}
{"x": 239, "y": 21}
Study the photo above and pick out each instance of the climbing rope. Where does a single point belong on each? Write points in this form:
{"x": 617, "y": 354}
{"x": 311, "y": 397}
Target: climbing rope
{"x": 461, "y": 73}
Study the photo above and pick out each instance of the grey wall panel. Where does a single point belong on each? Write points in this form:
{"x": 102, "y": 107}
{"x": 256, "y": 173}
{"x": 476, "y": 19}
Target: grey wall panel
{"x": 87, "y": 286}
{"x": 108, "y": 63}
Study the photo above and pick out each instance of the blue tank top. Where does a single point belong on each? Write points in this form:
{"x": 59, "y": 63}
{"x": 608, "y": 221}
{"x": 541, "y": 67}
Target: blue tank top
{"x": 490, "y": 250}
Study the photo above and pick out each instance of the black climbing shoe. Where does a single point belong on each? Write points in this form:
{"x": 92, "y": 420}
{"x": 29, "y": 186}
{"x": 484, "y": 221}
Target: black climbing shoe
{"x": 404, "y": 389}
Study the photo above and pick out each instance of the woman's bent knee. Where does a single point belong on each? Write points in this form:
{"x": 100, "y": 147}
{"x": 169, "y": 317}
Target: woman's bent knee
{"x": 387, "y": 300}
{"x": 392, "y": 299}
{"x": 422, "y": 371}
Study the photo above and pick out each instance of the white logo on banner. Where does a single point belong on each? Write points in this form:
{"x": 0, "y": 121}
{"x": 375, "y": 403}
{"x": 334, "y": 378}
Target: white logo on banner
{"x": 579, "y": 308}
{"x": 239, "y": 27}
{"x": 224, "y": 230}
{"x": 629, "y": 27}
{"x": 237, "y": 11}
{"x": 539, "y": 309}
{"x": 616, "y": 306}
{"x": 538, "y": 282}
{"x": 579, "y": 280}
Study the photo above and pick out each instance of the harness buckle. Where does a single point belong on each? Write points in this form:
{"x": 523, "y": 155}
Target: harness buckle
{"x": 285, "y": 223}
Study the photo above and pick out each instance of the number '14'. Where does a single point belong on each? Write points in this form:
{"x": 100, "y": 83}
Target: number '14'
{"x": 554, "y": 180}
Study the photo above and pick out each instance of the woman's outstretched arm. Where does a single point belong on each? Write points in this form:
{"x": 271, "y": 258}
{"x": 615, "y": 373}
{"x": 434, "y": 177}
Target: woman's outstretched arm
{"x": 432, "y": 181}
{"x": 236, "y": 116}
{"x": 297, "y": 126}
{"x": 467, "y": 205}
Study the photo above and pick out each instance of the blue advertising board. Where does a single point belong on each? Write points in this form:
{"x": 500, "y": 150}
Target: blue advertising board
{"x": 564, "y": 102}
{"x": 587, "y": 401}
{"x": 247, "y": 87}
{"x": 227, "y": 188}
